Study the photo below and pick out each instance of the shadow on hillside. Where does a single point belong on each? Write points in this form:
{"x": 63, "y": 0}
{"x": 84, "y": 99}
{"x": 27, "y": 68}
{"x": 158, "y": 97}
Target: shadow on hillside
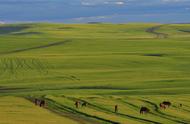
{"x": 10, "y": 29}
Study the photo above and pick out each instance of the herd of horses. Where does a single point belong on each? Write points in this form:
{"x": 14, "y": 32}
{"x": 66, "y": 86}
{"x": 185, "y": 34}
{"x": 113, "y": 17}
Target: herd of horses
{"x": 143, "y": 110}
{"x": 163, "y": 105}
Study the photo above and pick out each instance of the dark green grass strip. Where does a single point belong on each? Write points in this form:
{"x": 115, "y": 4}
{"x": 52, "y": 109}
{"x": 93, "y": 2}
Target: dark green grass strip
{"x": 156, "y": 109}
{"x": 56, "y": 108}
{"x": 62, "y": 111}
{"x": 14, "y": 65}
{"x": 186, "y": 31}
{"x": 181, "y": 108}
{"x": 109, "y": 111}
{"x": 152, "y": 30}
{"x": 69, "y": 109}
{"x": 5, "y": 30}
{"x": 36, "y": 47}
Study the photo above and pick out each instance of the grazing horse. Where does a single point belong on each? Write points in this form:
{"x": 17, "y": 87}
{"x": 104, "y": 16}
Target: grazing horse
{"x": 162, "y": 106}
{"x": 144, "y": 110}
{"x": 36, "y": 101}
{"x": 77, "y": 104}
{"x": 39, "y": 102}
{"x": 180, "y": 105}
{"x": 84, "y": 104}
{"x": 167, "y": 104}
{"x": 42, "y": 103}
{"x": 116, "y": 108}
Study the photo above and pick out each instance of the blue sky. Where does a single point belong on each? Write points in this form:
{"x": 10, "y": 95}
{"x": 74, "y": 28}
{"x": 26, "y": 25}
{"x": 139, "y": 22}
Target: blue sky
{"x": 82, "y": 11}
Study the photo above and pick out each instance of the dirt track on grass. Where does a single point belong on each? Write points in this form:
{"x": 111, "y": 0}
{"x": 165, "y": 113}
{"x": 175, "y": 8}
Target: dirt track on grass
{"x": 153, "y": 30}
{"x": 36, "y": 47}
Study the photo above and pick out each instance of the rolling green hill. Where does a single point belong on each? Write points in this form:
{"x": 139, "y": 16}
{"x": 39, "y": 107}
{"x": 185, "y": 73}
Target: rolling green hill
{"x": 129, "y": 65}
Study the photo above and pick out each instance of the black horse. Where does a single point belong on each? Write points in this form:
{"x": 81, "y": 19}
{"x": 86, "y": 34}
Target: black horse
{"x": 77, "y": 104}
{"x": 116, "y": 108}
{"x": 144, "y": 110}
{"x": 42, "y": 103}
{"x": 39, "y": 102}
{"x": 84, "y": 104}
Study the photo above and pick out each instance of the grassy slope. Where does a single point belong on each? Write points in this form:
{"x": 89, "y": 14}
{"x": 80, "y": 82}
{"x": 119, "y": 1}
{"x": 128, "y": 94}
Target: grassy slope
{"x": 103, "y": 59}
{"x": 20, "y": 111}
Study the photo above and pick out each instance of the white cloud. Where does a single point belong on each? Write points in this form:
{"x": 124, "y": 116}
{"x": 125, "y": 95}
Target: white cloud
{"x": 87, "y": 4}
{"x": 2, "y": 22}
{"x": 130, "y": 2}
{"x": 175, "y": 0}
{"x": 90, "y": 18}
{"x": 102, "y": 2}
{"x": 120, "y": 3}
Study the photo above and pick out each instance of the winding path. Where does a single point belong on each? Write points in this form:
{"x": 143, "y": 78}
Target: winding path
{"x": 36, "y": 47}
{"x": 159, "y": 35}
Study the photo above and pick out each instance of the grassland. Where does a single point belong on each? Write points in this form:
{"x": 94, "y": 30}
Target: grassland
{"x": 20, "y": 111}
{"x": 129, "y": 65}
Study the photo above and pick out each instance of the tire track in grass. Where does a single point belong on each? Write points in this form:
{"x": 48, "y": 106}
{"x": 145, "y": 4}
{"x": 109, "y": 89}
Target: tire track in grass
{"x": 81, "y": 120}
{"x": 16, "y": 66}
{"x": 5, "y": 66}
{"x": 11, "y": 67}
{"x": 42, "y": 68}
{"x": 56, "y": 109}
{"x": 36, "y": 47}
{"x": 159, "y": 35}
{"x": 8, "y": 90}
{"x": 130, "y": 104}
{"x": 186, "y": 31}
{"x": 9, "y": 64}
{"x": 109, "y": 111}
{"x": 2, "y": 66}
{"x": 27, "y": 65}
{"x": 137, "y": 107}
{"x": 166, "y": 116}
{"x": 187, "y": 106}
{"x": 38, "y": 65}
{"x": 156, "y": 108}
{"x": 71, "y": 110}
{"x": 181, "y": 109}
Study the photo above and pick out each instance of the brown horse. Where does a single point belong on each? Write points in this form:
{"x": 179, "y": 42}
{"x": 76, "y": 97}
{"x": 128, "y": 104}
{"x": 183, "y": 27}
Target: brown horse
{"x": 36, "y": 101}
{"x": 167, "y": 104}
{"x": 77, "y": 104}
{"x": 116, "y": 108}
{"x": 39, "y": 102}
{"x": 162, "y": 106}
{"x": 144, "y": 110}
{"x": 180, "y": 105}
{"x": 42, "y": 103}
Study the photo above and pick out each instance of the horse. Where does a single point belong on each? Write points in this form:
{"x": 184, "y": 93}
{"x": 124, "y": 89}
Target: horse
{"x": 42, "y": 103}
{"x": 166, "y": 103}
{"x": 162, "y": 106}
{"x": 39, "y": 102}
{"x": 77, "y": 104}
{"x": 36, "y": 101}
{"x": 144, "y": 110}
{"x": 116, "y": 108}
{"x": 180, "y": 105}
{"x": 84, "y": 104}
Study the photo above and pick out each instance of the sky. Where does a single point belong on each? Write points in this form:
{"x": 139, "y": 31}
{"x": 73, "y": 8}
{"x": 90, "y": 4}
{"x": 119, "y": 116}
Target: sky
{"x": 84, "y": 11}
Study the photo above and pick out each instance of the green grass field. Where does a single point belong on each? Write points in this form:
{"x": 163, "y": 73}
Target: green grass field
{"x": 129, "y": 65}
